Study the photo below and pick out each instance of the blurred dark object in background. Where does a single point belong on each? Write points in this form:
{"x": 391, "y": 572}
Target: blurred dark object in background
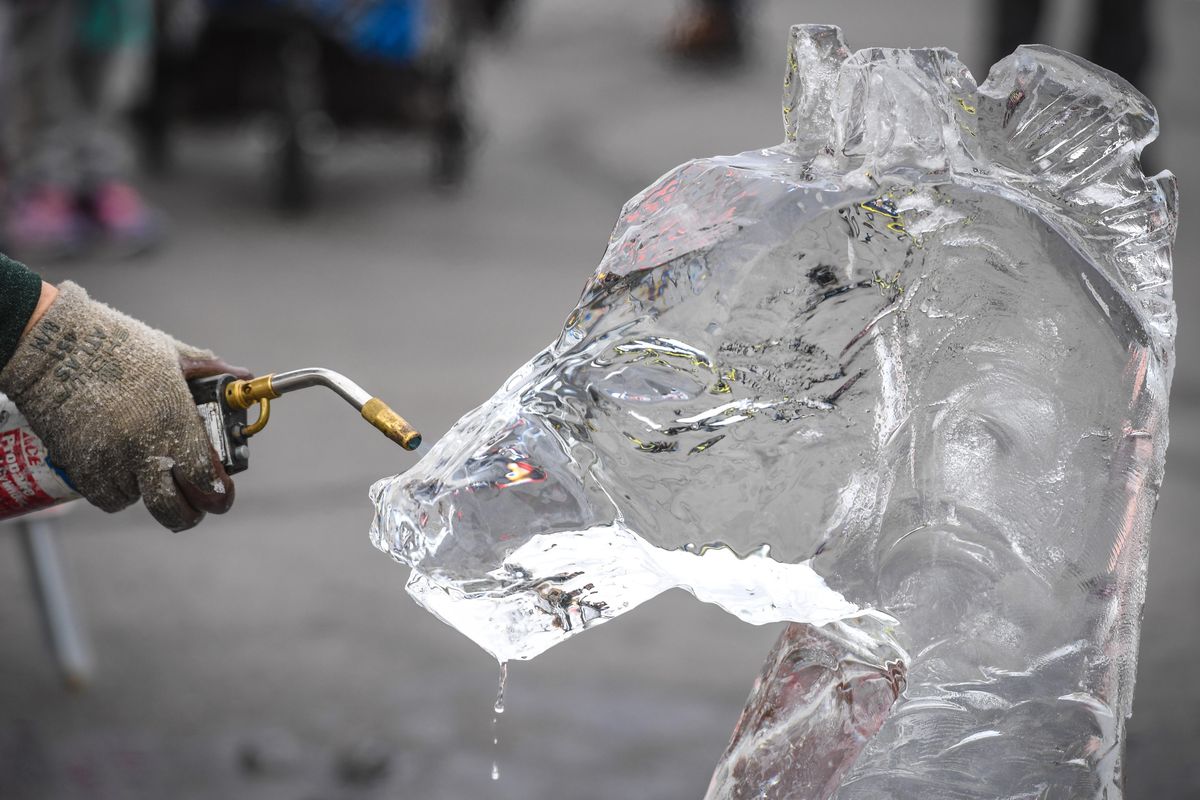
{"x": 1119, "y": 39}
{"x": 708, "y": 32}
{"x": 496, "y": 17}
{"x": 313, "y": 70}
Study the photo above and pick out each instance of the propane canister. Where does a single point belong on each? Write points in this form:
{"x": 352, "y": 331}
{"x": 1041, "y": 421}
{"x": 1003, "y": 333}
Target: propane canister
{"x": 29, "y": 480}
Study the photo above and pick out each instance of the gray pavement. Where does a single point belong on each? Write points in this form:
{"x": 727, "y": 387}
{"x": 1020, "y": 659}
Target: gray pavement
{"x": 273, "y": 653}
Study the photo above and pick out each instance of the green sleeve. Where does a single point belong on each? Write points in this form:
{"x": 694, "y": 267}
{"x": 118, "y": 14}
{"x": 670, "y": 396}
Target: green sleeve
{"x": 19, "y": 293}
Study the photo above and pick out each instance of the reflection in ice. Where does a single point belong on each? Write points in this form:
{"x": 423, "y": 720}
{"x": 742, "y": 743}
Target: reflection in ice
{"x": 903, "y": 376}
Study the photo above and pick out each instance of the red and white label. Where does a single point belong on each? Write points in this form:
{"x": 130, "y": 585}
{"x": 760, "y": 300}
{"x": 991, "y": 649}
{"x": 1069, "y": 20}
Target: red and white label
{"x": 27, "y": 481}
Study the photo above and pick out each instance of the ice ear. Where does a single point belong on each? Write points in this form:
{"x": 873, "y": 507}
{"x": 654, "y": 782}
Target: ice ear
{"x": 898, "y": 107}
{"x": 875, "y": 109}
{"x": 815, "y": 56}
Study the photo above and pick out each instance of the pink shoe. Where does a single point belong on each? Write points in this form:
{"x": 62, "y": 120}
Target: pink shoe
{"x": 123, "y": 218}
{"x": 44, "y": 224}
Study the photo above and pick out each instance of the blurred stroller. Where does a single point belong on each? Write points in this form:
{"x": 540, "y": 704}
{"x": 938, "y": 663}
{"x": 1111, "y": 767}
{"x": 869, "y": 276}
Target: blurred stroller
{"x": 310, "y": 68}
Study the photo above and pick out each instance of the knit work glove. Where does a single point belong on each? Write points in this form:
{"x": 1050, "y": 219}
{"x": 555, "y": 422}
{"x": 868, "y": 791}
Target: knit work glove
{"x": 108, "y": 395}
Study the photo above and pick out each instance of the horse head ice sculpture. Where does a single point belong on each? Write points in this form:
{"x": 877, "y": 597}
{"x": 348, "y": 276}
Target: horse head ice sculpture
{"x": 901, "y": 380}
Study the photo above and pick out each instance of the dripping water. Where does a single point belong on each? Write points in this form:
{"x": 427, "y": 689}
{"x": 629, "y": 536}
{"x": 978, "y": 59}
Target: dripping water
{"x": 498, "y": 708}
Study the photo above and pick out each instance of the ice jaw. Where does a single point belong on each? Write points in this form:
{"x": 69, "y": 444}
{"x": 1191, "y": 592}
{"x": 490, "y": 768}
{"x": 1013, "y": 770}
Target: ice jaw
{"x": 850, "y": 373}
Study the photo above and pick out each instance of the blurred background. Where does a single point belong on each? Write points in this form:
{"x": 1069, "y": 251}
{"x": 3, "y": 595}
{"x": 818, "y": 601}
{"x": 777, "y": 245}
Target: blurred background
{"x": 424, "y": 228}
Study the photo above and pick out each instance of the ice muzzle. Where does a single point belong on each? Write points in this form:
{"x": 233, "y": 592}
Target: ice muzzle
{"x": 792, "y": 360}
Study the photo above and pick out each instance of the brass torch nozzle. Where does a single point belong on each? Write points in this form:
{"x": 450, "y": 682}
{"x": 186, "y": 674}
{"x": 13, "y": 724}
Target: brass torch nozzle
{"x": 393, "y": 426}
{"x": 260, "y": 391}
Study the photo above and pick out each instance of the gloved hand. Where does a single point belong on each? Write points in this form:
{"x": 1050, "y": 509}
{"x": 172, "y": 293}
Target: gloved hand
{"x": 108, "y": 396}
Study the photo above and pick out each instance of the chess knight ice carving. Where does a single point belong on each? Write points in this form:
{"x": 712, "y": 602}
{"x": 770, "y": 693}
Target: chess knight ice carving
{"x": 901, "y": 381}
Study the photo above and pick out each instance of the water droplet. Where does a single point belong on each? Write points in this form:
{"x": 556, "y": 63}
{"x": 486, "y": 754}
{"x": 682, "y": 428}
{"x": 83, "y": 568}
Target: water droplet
{"x": 499, "y": 706}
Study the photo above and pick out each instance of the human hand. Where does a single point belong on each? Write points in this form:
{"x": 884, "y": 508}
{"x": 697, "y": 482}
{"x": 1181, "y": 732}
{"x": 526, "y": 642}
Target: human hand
{"x": 108, "y": 396}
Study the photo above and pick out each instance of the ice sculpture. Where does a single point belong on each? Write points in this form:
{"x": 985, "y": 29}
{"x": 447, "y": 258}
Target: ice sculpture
{"x": 901, "y": 380}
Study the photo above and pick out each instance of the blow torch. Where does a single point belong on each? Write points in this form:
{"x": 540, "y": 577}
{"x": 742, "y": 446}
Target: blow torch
{"x": 30, "y": 481}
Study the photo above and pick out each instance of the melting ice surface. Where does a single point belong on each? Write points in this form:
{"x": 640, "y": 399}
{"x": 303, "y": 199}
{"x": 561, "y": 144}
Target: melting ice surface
{"x": 903, "y": 380}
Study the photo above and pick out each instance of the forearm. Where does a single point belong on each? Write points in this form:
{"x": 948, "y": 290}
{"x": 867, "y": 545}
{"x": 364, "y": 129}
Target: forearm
{"x": 23, "y": 298}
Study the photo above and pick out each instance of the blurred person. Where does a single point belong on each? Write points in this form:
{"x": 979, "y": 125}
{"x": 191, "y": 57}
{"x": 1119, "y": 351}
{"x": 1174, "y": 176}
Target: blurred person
{"x": 1119, "y": 37}
{"x": 495, "y": 17}
{"x": 73, "y": 68}
{"x": 709, "y": 30}
{"x": 108, "y": 396}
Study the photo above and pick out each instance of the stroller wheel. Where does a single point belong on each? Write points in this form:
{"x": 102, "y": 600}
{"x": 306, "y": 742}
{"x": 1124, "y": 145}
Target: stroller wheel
{"x": 299, "y": 117}
{"x": 294, "y": 174}
{"x": 451, "y": 152}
